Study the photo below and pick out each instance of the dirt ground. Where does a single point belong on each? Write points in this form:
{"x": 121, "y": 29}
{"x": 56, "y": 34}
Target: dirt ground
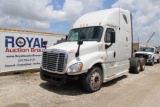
{"x": 130, "y": 90}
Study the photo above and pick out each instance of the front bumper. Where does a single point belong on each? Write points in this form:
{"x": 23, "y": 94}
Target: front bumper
{"x": 148, "y": 60}
{"x": 54, "y": 78}
{"x": 57, "y": 78}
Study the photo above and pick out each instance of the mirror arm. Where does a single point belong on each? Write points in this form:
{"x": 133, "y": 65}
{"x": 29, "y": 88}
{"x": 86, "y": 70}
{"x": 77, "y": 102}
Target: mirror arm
{"x": 80, "y": 42}
{"x": 77, "y": 53}
{"x": 107, "y": 46}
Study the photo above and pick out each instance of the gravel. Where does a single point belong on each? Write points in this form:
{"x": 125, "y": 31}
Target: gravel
{"x": 130, "y": 90}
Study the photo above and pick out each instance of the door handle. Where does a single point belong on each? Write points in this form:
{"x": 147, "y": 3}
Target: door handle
{"x": 114, "y": 55}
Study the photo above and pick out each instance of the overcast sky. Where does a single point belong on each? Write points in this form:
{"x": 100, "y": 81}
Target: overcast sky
{"x": 59, "y": 15}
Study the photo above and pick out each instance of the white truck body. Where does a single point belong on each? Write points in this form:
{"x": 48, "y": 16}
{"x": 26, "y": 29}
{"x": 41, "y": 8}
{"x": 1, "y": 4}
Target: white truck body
{"x": 113, "y": 59}
{"x": 150, "y": 54}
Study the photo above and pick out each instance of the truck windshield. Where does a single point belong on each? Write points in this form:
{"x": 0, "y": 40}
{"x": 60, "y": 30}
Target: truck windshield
{"x": 86, "y": 34}
{"x": 147, "y": 49}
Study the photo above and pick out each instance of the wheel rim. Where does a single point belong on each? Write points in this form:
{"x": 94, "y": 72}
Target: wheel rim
{"x": 143, "y": 66}
{"x": 95, "y": 81}
{"x": 153, "y": 62}
{"x": 138, "y": 66}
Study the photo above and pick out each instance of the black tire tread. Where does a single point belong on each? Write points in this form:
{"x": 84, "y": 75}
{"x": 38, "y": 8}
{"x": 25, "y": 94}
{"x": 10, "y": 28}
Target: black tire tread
{"x": 158, "y": 60}
{"x": 134, "y": 65}
{"x": 86, "y": 79}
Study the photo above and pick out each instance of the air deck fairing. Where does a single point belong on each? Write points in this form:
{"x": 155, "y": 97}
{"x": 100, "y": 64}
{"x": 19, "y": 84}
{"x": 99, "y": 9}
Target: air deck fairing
{"x": 104, "y": 17}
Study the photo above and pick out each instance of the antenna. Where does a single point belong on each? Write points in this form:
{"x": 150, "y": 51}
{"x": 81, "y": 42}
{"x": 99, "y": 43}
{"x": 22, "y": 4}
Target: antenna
{"x": 119, "y": 18}
{"x": 150, "y": 38}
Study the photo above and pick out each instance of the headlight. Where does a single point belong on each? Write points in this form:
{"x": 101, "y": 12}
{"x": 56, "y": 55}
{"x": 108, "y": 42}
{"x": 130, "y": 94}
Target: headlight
{"x": 149, "y": 56}
{"x": 75, "y": 67}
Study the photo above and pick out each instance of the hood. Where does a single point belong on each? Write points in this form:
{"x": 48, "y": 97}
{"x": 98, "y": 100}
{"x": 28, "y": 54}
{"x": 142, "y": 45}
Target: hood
{"x": 66, "y": 46}
{"x": 71, "y": 47}
{"x": 141, "y": 52}
{"x": 88, "y": 53}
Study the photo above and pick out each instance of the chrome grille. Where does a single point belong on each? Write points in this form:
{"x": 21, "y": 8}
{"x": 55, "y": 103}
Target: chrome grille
{"x": 53, "y": 61}
{"x": 142, "y": 55}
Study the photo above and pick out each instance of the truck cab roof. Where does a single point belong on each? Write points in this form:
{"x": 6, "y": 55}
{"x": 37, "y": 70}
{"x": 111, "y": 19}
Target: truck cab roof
{"x": 104, "y": 17}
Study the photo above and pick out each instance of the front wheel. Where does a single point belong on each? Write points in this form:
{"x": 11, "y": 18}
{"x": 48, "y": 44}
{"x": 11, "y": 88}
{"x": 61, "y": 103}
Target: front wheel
{"x": 92, "y": 81}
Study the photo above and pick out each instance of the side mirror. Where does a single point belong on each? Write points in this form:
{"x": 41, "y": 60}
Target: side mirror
{"x": 157, "y": 52}
{"x": 66, "y": 37}
{"x": 80, "y": 42}
{"x": 113, "y": 37}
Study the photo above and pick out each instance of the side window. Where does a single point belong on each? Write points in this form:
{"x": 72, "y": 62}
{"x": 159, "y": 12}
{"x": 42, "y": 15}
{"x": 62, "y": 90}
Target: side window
{"x": 107, "y": 37}
{"x": 125, "y": 18}
{"x": 155, "y": 51}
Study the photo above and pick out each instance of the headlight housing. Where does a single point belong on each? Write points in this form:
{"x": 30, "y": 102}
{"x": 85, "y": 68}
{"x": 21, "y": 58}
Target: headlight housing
{"x": 75, "y": 67}
{"x": 149, "y": 56}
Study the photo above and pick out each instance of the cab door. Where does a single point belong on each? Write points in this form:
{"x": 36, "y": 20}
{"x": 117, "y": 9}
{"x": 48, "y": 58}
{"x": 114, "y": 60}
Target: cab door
{"x": 111, "y": 53}
{"x": 116, "y": 53}
{"x": 156, "y": 54}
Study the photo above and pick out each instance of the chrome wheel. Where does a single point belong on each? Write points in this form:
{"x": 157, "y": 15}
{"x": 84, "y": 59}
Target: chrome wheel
{"x": 138, "y": 67}
{"x": 92, "y": 80}
{"x": 95, "y": 82}
{"x": 143, "y": 66}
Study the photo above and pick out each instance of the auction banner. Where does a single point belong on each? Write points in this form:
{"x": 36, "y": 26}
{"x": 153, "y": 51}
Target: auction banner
{"x": 21, "y": 51}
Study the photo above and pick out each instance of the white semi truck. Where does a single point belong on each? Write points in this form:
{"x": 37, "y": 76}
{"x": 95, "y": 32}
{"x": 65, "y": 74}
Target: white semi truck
{"x": 98, "y": 49}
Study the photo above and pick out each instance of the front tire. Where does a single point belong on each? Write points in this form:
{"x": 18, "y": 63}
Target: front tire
{"x": 92, "y": 80}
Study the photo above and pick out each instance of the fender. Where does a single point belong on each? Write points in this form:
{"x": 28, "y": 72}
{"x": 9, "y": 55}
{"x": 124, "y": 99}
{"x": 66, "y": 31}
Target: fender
{"x": 95, "y": 62}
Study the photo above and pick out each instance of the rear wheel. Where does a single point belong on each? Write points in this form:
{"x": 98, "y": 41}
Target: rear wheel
{"x": 92, "y": 81}
{"x": 152, "y": 63}
{"x": 135, "y": 65}
{"x": 158, "y": 60}
{"x": 142, "y": 64}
